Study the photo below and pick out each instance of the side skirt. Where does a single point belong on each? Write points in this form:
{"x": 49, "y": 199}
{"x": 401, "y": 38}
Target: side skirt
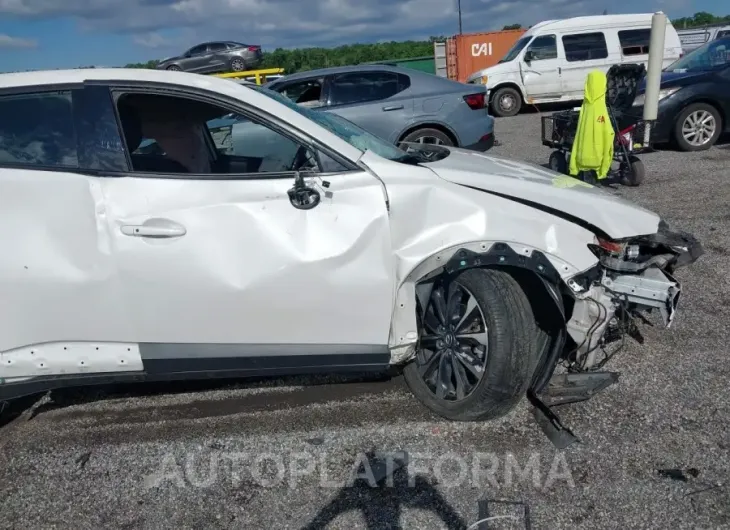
{"x": 168, "y": 368}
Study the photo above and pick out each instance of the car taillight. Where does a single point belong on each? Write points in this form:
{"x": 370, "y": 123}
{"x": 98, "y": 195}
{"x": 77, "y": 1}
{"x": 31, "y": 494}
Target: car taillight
{"x": 475, "y": 101}
{"x": 254, "y": 48}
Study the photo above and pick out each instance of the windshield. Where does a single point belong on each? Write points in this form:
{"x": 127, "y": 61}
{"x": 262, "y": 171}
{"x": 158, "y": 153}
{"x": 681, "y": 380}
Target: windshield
{"x": 515, "y": 50}
{"x": 345, "y": 129}
{"x": 711, "y": 56}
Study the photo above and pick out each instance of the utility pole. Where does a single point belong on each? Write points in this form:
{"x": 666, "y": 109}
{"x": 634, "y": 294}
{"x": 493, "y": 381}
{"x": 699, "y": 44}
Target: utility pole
{"x": 458, "y": 6}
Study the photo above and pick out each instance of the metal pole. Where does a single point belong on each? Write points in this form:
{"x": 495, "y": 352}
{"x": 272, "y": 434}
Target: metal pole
{"x": 654, "y": 71}
{"x": 458, "y": 3}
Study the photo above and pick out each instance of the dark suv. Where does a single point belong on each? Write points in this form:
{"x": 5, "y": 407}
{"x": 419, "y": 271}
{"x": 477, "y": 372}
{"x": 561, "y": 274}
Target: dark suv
{"x": 213, "y": 57}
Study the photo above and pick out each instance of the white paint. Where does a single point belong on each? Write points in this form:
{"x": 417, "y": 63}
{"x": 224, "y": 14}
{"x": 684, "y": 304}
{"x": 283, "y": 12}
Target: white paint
{"x": 65, "y": 358}
{"x": 245, "y": 267}
{"x": 560, "y": 80}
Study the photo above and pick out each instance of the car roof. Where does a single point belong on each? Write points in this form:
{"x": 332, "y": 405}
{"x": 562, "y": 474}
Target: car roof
{"x": 592, "y": 21}
{"x": 38, "y": 80}
{"x": 347, "y": 69}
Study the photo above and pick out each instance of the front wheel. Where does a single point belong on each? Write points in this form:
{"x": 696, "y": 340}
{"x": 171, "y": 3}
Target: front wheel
{"x": 506, "y": 102}
{"x": 477, "y": 349}
{"x": 698, "y": 127}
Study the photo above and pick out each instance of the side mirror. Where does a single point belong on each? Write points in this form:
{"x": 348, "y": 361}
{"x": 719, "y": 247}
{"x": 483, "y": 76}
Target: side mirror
{"x": 529, "y": 56}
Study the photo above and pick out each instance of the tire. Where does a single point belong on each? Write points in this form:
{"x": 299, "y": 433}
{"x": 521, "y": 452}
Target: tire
{"x": 238, "y": 64}
{"x": 506, "y": 102}
{"x": 174, "y": 68}
{"x": 426, "y": 134}
{"x": 558, "y": 162}
{"x": 511, "y": 350}
{"x": 698, "y": 113}
{"x": 635, "y": 173}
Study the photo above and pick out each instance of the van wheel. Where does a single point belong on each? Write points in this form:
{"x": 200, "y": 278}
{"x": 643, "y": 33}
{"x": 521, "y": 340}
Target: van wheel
{"x": 506, "y": 102}
{"x": 477, "y": 349}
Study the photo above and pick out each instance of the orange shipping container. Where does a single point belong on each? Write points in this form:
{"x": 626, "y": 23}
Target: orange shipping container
{"x": 467, "y": 53}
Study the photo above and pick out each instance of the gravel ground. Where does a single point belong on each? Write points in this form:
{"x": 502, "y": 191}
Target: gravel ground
{"x": 280, "y": 454}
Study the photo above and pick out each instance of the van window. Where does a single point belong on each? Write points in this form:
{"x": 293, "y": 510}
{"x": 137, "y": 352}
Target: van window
{"x": 585, "y": 46}
{"x": 634, "y": 41}
{"x": 544, "y": 47}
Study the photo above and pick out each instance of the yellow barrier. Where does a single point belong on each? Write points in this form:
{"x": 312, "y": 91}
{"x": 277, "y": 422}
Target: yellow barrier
{"x": 259, "y": 75}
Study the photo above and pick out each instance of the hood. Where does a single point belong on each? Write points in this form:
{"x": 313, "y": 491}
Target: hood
{"x": 544, "y": 189}
{"x": 679, "y": 78}
{"x": 173, "y": 58}
{"x": 499, "y": 68}
{"x": 595, "y": 87}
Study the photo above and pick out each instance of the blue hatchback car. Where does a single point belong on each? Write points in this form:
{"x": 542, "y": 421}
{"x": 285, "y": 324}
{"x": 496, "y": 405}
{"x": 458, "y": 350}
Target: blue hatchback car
{"x": 397, "y": 104}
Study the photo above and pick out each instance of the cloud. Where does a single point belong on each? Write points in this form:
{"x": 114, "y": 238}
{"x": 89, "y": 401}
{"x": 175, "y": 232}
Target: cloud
{"x": 6, "y": 41}
{"x": 151, "y": 40}
{"x": 294, "y": 23}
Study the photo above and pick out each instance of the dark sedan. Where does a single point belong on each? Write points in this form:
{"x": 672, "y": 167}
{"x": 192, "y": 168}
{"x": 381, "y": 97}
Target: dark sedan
{"x": 214, "y": 57}
{"x": 694, "y": 104}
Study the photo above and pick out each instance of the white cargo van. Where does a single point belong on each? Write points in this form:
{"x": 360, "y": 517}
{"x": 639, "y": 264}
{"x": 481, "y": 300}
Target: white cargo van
{"x": 693, "y": 38}
{"x": 549, "y": 63}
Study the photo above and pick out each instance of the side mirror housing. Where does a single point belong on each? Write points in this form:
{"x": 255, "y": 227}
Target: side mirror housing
{"x": 529, "y": 56}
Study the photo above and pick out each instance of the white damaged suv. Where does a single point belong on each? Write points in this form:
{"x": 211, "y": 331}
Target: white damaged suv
{"x": 160, "y": 225}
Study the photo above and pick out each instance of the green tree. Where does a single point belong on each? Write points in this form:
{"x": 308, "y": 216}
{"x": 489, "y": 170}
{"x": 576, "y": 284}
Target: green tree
{"x": 512, "y": 26}
{"x": 702, "y": 18}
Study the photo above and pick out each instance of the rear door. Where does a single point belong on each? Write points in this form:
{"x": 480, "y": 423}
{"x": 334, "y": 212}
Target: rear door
{"x": 584, "y": 51}
{"x": 217, "y": 58}
{"x": 377, "y": 101}
{"x": 61, "y": 309}
{"x": 541, "y": 73}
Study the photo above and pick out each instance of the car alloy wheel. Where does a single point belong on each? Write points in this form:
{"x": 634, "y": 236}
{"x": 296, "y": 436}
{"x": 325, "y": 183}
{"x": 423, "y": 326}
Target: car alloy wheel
{"x": 699, "y": 128}
{"x": 452, "y": 353}
{"x": 238, "y": 65}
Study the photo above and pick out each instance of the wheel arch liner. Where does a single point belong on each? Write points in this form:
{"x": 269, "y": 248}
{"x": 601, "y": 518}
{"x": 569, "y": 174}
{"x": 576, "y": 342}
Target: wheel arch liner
{"x": 493, "y": 254}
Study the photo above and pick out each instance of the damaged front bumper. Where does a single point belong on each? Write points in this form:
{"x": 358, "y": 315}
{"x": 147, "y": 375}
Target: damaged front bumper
{"x": 632, "y": 276}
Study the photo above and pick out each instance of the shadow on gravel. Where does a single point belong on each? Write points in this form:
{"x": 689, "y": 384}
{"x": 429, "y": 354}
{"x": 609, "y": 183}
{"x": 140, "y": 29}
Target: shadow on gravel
{"x": 380, "y": 501}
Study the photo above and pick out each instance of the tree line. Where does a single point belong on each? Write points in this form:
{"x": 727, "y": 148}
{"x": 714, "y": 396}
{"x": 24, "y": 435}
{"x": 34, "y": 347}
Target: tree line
{"x": 301, "y": 59}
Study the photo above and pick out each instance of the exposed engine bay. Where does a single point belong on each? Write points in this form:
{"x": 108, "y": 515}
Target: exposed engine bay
{"x": 632, "y": 277}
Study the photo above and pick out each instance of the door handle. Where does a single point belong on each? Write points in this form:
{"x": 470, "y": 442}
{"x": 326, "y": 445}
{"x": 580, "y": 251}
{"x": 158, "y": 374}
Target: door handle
{"x": 155, "y": 228}
{"x": 393, "y": 107}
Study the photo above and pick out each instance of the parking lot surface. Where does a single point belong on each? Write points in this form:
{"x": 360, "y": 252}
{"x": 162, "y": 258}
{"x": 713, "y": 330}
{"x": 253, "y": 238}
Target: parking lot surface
{"x": 655, "y": 449}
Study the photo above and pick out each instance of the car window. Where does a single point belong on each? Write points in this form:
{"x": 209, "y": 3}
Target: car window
{"x": 172, "y": 135}
{"x": 634, "y": 41}
{"x": 307, "y": 92}
{"x": 544, "y": 47}
{"x": 354, "y": 135}
{"x": 721, "y": 34}
{"x": 198, "y": 50}
{"x": 515, "y": 49}
{"x": 217, "y": 46}
{"x": 361, "y": 87}
{"x": 38, "y": 130}
{"x": 585, "y": 46}
{"x": 713, "y": 55}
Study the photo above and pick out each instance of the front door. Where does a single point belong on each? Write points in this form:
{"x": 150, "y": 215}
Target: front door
{"x": 540, "y": 69}
{"x": 218, "y": 263}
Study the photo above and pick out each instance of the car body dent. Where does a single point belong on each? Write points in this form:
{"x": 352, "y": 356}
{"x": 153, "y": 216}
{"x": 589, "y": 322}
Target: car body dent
{"x": 430, "y": 221}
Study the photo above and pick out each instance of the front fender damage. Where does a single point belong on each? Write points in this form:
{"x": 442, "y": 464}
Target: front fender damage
{"x": 416, "y": 290}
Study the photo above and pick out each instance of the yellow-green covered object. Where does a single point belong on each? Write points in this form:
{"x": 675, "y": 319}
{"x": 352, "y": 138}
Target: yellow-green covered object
{"x": 593, "y": 144}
